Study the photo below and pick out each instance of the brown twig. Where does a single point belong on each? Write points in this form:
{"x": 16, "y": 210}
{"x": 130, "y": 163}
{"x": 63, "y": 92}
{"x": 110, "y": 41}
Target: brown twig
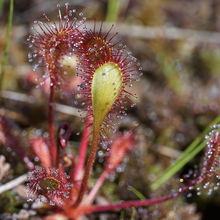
{"x": 20, "y": 97}
{"x": 157, "y": 32}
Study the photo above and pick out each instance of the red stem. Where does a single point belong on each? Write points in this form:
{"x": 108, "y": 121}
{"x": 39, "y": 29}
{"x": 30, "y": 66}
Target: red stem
{"x": 53, "y": 147}
{"x": 138, "y": 203}
{"x": 129, "y": 204}
{"x": 82, "y": 153}
{"x": 135, "y": 203}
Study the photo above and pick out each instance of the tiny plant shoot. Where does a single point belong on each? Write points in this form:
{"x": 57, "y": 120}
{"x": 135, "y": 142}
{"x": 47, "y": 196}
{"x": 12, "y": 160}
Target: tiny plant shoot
{"x": 107, "y": 70}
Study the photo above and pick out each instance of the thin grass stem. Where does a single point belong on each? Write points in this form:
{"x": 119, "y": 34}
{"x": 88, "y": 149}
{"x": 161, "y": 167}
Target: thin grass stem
{"x": 5, "y": 53}
{"x": 1, "y": 6}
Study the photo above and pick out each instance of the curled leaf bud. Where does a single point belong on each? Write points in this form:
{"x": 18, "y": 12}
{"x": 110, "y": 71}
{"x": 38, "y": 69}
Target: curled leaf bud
{"x": 63, "y": 134}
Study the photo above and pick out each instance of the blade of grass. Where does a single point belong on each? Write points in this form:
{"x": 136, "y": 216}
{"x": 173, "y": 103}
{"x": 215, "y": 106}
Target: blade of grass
{"x": 122, "y": 215}
{"x": 198, "y": 139}
{"x": 185, "y": 156}
{"x": 137, "y": 193}
{"x": 178, "y": 166}
{"x": 133, "y": 212}
{"x": 5, "y": 53}
{"x": 113, "y": 10}
{"x": 1, "y": 6}
{"x": 195, "y": 142}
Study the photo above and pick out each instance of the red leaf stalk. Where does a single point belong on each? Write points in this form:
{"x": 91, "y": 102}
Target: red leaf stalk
{"x": 51, "y": 125}
{"x": 82, "y": 153}
{"x": 89, "y": 165}
{"x": 40, "y": 148}
{"x": 135, "y": 203}
{"x": 95, "y": 189}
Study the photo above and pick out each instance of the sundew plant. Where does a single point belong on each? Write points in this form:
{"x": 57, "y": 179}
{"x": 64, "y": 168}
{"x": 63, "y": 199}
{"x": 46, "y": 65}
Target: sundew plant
{"x": 69, "y": 52}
